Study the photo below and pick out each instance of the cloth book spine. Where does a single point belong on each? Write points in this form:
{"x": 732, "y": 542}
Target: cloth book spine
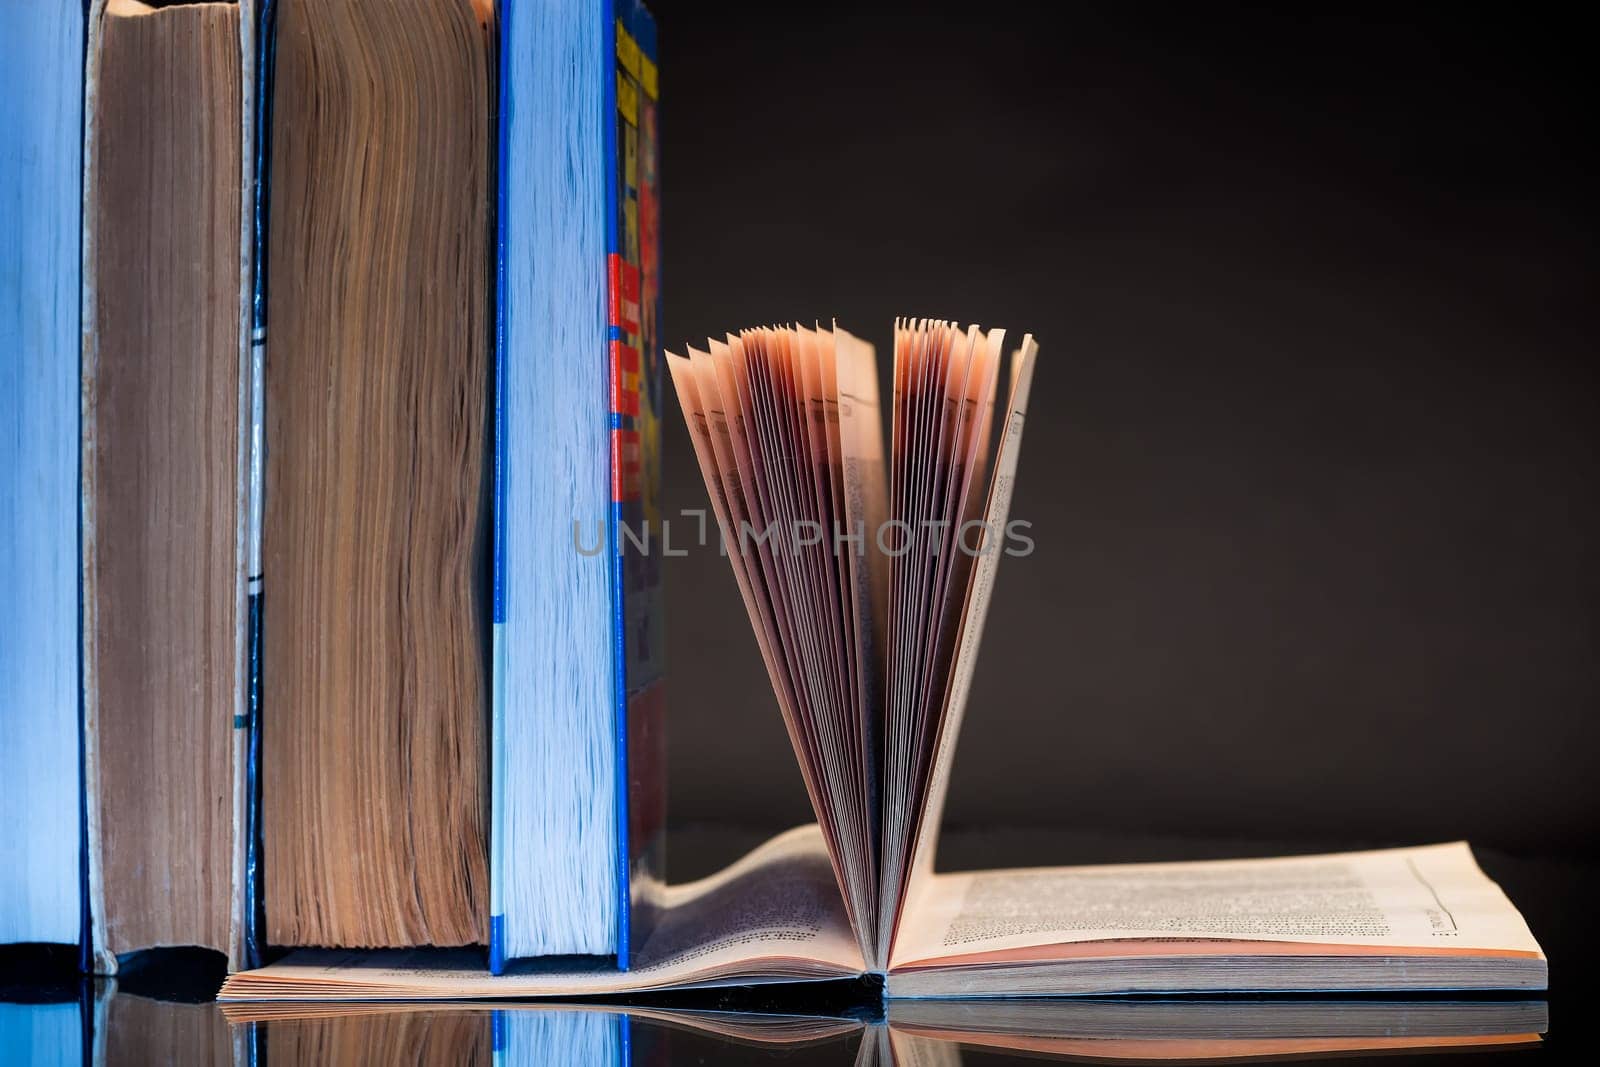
{"x": 258, "y": 25}
{"x": 497, "y": 507}
{"x": 96, "y": 954}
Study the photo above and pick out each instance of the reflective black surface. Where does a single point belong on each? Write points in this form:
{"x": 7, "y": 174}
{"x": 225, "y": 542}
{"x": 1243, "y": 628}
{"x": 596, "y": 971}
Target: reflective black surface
{"x": 113, "y": 1027}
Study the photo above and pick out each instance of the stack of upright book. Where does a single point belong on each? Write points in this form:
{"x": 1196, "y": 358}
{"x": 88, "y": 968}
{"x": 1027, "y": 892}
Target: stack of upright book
{"x": 323, "y": 319}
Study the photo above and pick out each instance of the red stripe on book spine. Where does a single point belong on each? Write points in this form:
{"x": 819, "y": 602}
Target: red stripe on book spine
{"x": 624, "y": 465}
{"x": 622, "y": 294}
{"x": 613, "y": 290}
{"x": 630, "y": 297}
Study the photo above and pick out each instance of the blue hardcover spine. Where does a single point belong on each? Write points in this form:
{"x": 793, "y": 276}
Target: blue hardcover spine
{"x": 614, "y": 514}
{"x": 85, "y": 915}
{"x": 497, "y": 754}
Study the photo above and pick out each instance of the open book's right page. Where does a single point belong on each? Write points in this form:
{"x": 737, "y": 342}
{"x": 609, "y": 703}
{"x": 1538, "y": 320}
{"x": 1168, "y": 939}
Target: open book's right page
{"x": 1393, "y": 919}
{"x": 996, "y": 517}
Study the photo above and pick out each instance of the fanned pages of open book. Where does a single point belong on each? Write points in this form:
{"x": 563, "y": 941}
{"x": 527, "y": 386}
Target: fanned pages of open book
{"x": 867, "y": 573}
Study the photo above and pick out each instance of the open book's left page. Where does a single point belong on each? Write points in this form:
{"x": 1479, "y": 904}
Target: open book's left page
{"x": 776, "y": 915}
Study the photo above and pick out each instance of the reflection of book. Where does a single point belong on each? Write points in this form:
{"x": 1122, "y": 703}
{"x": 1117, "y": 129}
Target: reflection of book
{"x": 41, "y": 1034}
{"x": 124, "y": 1028}
{"x": 914, "y": 1034}
{"x": 134, "y": 1029}
{"x": 94, "y": 1023}
{"x": 1208, "y": 1030}
{"x": 869, "y": 640}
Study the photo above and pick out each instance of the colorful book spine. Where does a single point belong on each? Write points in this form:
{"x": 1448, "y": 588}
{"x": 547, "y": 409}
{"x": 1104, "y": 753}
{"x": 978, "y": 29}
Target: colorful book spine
{"x": 633, "y": 306}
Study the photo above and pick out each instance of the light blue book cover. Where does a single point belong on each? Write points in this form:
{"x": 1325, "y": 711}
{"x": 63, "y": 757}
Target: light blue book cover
{"x": 577, "y": 788}
{"x": 41, "y": 143}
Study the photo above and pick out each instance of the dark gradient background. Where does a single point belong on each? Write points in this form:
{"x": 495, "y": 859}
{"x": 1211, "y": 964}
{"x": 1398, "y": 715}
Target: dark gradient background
{"x": 1310, "y": 459}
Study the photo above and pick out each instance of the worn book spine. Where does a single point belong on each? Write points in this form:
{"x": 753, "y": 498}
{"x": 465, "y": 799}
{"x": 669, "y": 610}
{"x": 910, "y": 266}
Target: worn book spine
{"x": 95, "y": 958}
{"x": 248, "y": 538}
{"x": 98, "y": 955}
{"x": 257, "y": 21}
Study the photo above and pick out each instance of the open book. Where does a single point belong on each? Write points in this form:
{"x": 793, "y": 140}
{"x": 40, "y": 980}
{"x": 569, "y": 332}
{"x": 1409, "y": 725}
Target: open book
{"x": 867, "y": 581}
{"x": 1399, "y": 919}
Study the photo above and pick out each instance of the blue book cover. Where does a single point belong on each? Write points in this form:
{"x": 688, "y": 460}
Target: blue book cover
{"x": 41, "y": 141}
{"x": 577, "y": 789}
